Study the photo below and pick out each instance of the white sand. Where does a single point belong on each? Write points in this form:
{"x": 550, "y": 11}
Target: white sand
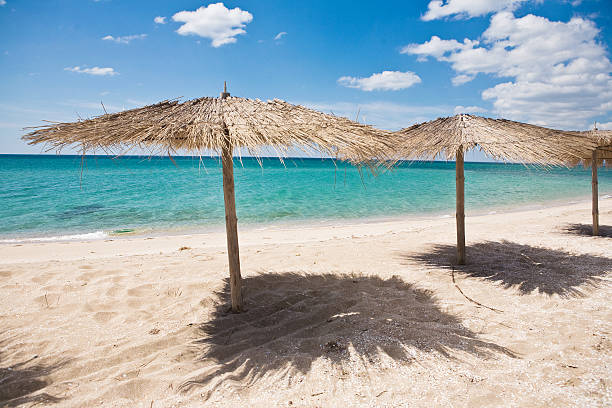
{"x": 348, "y": 315}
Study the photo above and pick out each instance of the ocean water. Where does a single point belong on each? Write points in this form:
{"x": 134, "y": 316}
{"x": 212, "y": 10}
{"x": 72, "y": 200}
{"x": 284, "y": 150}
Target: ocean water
{"x": 47, "y": 197}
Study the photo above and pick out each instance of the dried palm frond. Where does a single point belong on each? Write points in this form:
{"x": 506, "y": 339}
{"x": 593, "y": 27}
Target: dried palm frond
{"x": 603, "y": 140}
{"x": 214, "y": 123}
{"x": 500, "y": 139}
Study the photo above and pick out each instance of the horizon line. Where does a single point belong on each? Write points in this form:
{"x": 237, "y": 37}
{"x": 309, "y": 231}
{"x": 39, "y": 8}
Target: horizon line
{"x": 240, "y": 157}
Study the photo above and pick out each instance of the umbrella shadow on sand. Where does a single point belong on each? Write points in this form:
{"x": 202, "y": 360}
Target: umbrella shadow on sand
{"x": 605, "y": 231}
{"x": 293, "y": 319}
{"x": 21, "y": 383}
{"x": 524, "y": 267}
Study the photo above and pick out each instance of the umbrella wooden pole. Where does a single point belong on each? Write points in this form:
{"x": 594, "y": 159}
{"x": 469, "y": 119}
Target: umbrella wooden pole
{"x": 594, "y": 187}
{"x": 231, "y": 221}
{"x": 460, "y": 181}
{"x": 231, "y": 228}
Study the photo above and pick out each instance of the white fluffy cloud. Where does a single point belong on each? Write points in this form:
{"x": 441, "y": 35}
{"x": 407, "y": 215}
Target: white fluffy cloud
{"x": 125, "y": 39}
{"x": 560, "y": 75}
{"x": 605, "y": 126}
{"x": 160, "y": 20}
{"x": 92, "y": 71}
{"x": 2, "y": 2}
{"x": 385, "y": 81}
{"x": 467, "y": 8}
{"x": 215, "y": 22}
{"x": 436, "y": 47}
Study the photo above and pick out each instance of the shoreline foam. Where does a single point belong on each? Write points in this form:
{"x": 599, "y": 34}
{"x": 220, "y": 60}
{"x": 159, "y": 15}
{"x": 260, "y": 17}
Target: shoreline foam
{"x": 287, "y": 223}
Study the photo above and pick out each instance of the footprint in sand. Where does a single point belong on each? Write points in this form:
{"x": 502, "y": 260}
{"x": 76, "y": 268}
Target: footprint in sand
{"x": 141, "y": 291}
{"x": 118, "y": 279}
{"x": 114, "y": 290}
{"x": 42, "y": 279}
{"x": 135, "y": 303}
{"x": 139, "y": 316}
{"x": 95, "y": 307}
{"x": 104, "y": 317}
{"x": 87, "y": 276}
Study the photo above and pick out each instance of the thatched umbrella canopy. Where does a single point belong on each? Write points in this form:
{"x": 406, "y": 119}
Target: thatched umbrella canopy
{"x": 500, "y": 139}
{"x": 222, "y": 125}
{"x": 602, "y": 151}
{"x": 600, "y": 155}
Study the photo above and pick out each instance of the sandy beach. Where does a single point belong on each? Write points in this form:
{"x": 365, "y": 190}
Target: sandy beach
{"x": 360, "y": 314}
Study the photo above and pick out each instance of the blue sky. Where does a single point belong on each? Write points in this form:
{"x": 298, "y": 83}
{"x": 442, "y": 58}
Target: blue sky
{"x": 395, "y": 62}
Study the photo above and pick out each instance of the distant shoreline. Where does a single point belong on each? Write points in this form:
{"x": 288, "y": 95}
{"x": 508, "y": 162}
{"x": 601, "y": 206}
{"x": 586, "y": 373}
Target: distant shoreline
{"x": 55, "y": 198}
{"x": 159, "y": 232}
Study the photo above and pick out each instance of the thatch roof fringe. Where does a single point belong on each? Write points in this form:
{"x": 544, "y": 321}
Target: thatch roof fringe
{"x": 603, "y": 141}
{"x": 500, "y": 139}
{"x": 211, "y": 123}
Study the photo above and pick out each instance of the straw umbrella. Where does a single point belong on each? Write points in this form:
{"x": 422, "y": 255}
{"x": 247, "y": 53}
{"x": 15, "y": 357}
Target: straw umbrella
{"x": 500, "y": 139}
{"x": 602, "y": 152}
{"x": 221, "y": 124}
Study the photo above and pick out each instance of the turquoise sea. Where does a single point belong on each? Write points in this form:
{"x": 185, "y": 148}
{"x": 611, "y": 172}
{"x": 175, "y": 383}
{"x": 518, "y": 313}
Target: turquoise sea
{"x": 48, "y": 197}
